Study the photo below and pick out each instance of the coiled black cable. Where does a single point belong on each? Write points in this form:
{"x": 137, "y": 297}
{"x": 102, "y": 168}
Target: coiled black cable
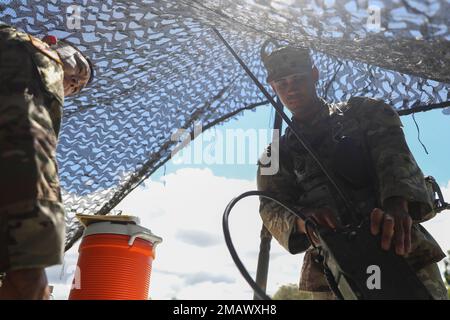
{"x": 226, "y": 231}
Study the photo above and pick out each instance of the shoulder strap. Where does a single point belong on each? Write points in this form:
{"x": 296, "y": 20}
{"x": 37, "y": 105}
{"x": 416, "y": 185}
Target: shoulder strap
{"x": 45, "y": 49}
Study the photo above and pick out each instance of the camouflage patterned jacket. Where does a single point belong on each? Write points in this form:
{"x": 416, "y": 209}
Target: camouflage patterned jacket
{"x": 32, "y": 223}
{"x": 362, "y": 142}
{"x": 18, "y": 47}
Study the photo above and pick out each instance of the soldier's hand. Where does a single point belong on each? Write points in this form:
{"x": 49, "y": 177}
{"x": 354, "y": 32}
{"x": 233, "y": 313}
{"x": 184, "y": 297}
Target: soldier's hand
{"x": 323, "y": 216}
{"x": 394, "y": 223}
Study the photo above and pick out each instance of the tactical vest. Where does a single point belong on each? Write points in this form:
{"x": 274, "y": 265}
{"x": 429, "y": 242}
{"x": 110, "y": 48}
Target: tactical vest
{"x": 342, "y": 147}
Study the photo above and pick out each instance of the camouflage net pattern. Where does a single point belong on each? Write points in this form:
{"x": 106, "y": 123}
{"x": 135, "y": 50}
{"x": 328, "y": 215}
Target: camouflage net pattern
{"x": 159, "y": 68}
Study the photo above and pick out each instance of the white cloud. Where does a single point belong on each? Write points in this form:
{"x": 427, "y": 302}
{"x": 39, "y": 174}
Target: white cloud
{"x": 185, "y": 211}
{"x": 61, "y": 276}
{"x": 193, "y": 262}
{"x": 197, "y": 237}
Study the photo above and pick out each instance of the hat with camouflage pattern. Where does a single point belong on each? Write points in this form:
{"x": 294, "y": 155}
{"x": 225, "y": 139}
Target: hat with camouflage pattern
{"x": 285, "y": 61}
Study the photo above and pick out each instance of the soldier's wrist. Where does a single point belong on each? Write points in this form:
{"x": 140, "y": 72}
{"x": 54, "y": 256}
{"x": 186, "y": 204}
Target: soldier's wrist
{"x": 300, "y": 225}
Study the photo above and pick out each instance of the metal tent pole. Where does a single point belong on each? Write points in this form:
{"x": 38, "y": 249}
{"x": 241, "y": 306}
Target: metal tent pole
{"x": 262, "y": 269}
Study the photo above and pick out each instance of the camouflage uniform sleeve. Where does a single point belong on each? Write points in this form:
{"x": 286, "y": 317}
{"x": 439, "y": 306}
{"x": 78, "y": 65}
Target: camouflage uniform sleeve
{"x": 280, "y": 223}
{"x": 396, "y": 169}
{"x": 32, "y": 218}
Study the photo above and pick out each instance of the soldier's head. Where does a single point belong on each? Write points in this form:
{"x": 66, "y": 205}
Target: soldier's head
{"x": 293, "y": 77}
{"x": 78, "y": 69}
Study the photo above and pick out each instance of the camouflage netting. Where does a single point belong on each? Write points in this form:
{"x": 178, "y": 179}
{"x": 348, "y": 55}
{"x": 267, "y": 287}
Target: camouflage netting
{"x": 160, "y": 67}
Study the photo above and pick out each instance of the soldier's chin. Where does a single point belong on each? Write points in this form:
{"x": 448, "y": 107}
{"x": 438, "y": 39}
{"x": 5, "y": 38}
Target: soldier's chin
{"x": 297, "y": 106}
{"x": 302, "y": 112}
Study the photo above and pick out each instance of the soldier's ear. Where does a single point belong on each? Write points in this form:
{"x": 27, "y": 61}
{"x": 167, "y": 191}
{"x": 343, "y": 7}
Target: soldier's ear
{"x": 315, "y": 74}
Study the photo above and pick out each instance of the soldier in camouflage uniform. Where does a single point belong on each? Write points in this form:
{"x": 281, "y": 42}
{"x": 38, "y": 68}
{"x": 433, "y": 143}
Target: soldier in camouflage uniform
{"x": 362, "y": 142}
{"x": 35, "y": 76}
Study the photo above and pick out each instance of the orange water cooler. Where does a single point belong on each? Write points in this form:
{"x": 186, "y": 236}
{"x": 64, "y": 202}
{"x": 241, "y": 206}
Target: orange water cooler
{"x": 115, "y": 261}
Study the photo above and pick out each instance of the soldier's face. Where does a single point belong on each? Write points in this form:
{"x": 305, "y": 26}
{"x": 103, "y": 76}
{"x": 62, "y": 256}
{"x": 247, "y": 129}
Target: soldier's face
{"x": 76, "y": 69}
{"x": 297, "y": 92}
{"x": 75, "y": 79}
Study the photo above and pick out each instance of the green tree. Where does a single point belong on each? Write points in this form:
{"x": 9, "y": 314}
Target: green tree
{"x": 291, "y": 292}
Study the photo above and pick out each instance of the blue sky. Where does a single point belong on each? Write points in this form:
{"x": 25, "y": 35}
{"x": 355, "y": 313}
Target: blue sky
{"x": 434, "y": 133}
{"x": 261, "y": 118}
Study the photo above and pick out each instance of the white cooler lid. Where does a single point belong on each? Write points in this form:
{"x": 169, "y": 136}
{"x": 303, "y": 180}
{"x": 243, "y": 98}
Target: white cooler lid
{"x": 130, "y": 229}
